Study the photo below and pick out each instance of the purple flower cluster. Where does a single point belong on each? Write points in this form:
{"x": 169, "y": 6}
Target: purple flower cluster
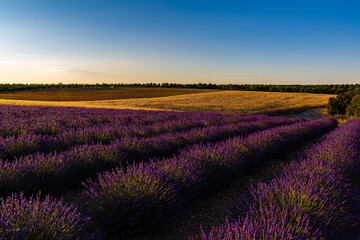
{"x": 132, "y": 200}
{"x": 40, "y": 218}
{"x": 311, "y": 198}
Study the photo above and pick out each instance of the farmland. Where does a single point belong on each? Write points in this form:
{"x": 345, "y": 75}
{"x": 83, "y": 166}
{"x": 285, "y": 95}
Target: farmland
{"x": 231, "y": 102}
{"x": 91, "y": 94}
{"x": 86, "y": 173}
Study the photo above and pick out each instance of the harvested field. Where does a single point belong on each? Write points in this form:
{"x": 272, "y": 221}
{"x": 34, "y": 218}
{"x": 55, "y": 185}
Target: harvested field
{"x": 91, "y": 94}
{"x": 216, "y": 101}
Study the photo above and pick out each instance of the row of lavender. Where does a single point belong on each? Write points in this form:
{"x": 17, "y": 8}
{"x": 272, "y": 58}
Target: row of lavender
{"x": 52, "y": 120}
{"x": 66, "y": 136}
{"x": 129, "y": 200}
{"x": 314, "y": 197}
{"x": 58, "y": 171}
{"x": 26, "y": 143}
{"x": 15, "y": 120}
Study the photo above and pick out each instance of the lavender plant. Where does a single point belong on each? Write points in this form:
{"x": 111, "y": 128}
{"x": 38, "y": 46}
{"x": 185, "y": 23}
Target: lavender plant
{"x": 40, "y": 218}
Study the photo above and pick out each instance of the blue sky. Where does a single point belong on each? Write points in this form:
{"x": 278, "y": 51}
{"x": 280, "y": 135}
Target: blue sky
{"x": 182, "y": 41}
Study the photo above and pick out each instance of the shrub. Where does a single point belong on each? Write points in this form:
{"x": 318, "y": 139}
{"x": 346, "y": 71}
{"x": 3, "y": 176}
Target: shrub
{"x": 353, "y": 110}
{"x": 339, "y": 104}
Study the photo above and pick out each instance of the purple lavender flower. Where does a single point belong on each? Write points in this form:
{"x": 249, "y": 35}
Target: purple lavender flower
{"x": 40, "y": 218}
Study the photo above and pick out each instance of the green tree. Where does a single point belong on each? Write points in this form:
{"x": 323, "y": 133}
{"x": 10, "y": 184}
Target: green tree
{"x": 353, "y": 110}
{"x": 339, "y": 104}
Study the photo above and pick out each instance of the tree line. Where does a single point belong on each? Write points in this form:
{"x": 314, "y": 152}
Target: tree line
{"x": 325, "y": 89}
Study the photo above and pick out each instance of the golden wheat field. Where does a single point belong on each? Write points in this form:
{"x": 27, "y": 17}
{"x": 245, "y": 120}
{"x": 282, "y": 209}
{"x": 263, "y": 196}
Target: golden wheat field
{"x": 218, "y": 101}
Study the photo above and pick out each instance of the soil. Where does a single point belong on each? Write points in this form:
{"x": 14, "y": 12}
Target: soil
{"x": 214, "y": 210}
{"x": 313, "y": 113}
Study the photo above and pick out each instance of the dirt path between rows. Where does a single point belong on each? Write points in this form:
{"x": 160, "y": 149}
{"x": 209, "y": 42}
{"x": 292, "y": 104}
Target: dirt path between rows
{"x": 214, "y": 210}
{"x": 313, "y": 113}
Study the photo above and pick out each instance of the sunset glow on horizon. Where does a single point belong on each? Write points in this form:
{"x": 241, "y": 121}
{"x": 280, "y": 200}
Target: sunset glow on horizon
{"x": 140, "y": 41}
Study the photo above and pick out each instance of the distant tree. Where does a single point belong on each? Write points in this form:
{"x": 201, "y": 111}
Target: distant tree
{"x": 353, "y": 110}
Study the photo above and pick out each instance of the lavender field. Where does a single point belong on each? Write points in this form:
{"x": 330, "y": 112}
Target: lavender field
{"x": 130, "y": 172}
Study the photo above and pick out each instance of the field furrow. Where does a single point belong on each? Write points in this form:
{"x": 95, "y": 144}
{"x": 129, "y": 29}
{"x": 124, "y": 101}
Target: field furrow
{"x": 312, "y": 198}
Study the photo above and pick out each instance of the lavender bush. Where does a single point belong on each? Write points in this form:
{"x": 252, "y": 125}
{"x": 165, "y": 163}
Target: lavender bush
{"x": 37, "y": 218}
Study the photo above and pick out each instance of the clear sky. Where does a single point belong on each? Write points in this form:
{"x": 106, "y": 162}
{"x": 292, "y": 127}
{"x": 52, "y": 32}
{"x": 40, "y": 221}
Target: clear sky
{"x": 180, "y": 41}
